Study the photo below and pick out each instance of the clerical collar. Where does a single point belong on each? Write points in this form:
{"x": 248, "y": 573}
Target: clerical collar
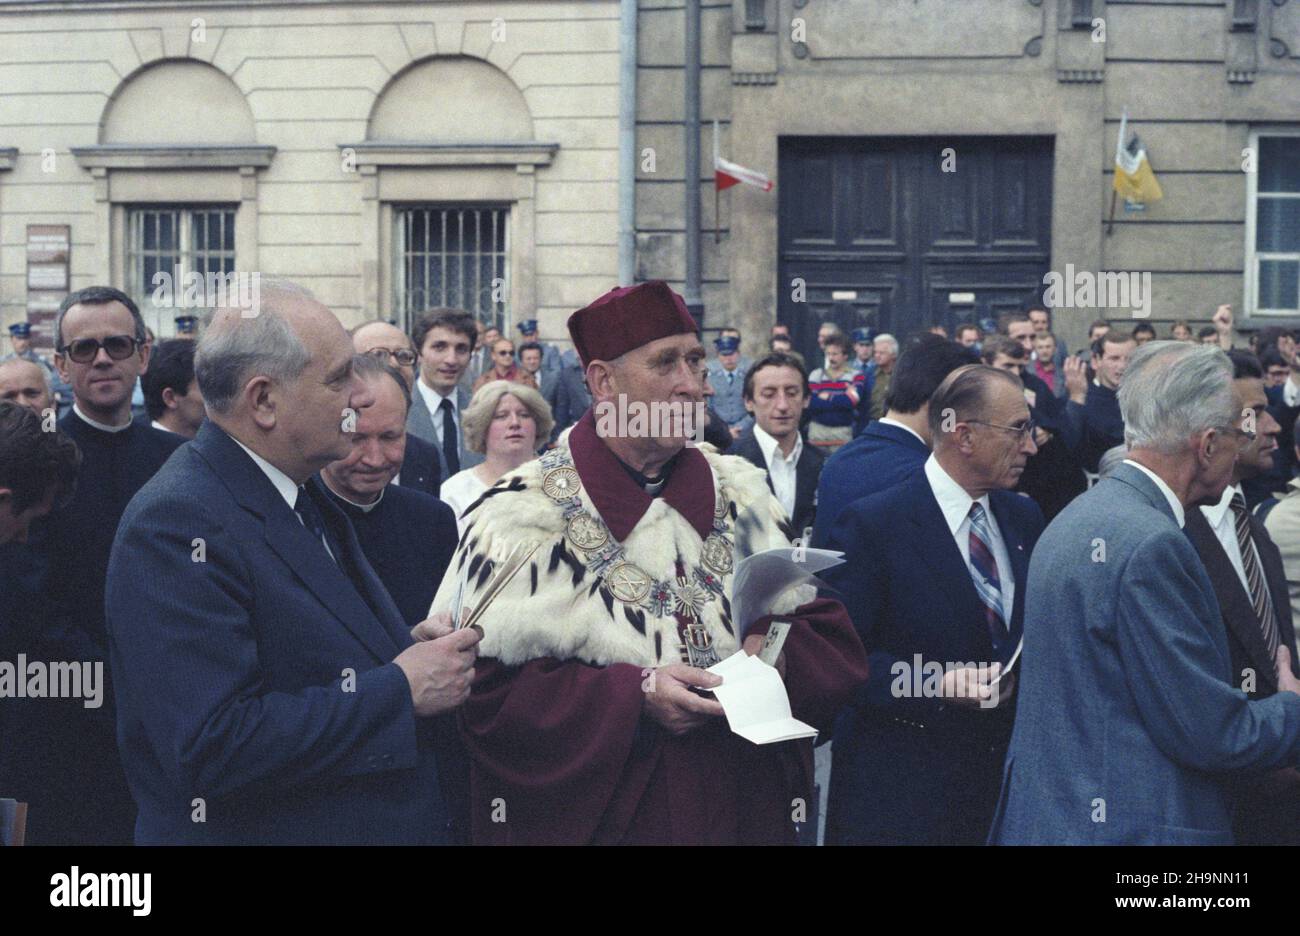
{"x": 102, "y": 427}
{"x": 364, "y": 508}
{"x": 651, "y": 486}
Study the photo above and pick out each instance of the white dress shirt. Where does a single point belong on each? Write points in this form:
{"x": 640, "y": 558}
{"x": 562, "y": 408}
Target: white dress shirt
{"x": 433, "y": 400}
{"x": 781, "y": 468}
{"x": 1224, "y": 524}
{"x": 1174, "y": 504}
{"x": 283, "y": 483}
{"x": 955, "y": 504}
{"x": 1291, "y": 393}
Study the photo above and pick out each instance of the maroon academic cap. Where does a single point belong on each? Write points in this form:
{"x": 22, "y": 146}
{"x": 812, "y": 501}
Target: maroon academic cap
{"x": 627, "y": 318}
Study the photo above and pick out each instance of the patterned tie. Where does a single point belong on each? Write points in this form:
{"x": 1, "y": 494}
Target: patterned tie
{"x": 450, "y": 451}
{"x": 1260, "y": 599}
{"x": 984, "y": 573}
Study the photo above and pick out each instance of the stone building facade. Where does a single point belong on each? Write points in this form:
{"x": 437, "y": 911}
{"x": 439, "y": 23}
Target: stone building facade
{"x": 933, "y": 159}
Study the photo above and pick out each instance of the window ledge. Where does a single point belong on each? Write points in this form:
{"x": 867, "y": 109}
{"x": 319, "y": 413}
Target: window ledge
{"x": 137, "y": 156}
{"x": 527, "y": 153}
{"x": 8, "y": 154}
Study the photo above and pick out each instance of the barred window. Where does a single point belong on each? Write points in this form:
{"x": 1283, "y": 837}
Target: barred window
{"x": 1274, "y": 219}
{"x": 175, "y": 240}
{"x": 452, "y": 255}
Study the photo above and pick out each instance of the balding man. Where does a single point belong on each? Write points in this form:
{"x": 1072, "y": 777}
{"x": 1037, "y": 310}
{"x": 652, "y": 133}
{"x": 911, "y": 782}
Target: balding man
{"x": 26, "y": 383}
{"x": 934, "y": 578}
{"x": 420, "y": 469}
{"x": 268, "y": 688}
{"x": 1131, "y": 722}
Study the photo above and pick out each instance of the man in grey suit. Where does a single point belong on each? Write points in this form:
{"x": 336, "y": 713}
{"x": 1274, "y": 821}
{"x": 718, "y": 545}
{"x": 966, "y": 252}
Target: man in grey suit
{"x": 1130, "y": 726}
{"x": 444, "y": 339}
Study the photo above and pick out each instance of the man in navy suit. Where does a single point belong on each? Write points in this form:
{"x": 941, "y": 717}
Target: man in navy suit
{"x": 934, "y": 579}
{"x": 268, "y": 688}
{"x": 445, "y": 339}
{"x": 896, "y": 446}
{"x": 776, "y": 395}
{"x": 1130, "y": 725}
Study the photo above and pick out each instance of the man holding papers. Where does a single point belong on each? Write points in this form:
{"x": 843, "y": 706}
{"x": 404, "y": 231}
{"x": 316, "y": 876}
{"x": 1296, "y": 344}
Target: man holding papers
{"x": 934, "y": 578}
{"x": 590, "y": 719}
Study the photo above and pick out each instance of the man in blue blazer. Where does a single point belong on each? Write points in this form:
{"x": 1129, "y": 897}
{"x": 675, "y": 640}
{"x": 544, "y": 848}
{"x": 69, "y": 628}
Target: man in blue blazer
{"x": 445, "y": 339}
{"x": 268, "y": 689}
{"x": 896, "y": 446}
{"x": 935, "y": 580}
{"x": 1130, "y": 725}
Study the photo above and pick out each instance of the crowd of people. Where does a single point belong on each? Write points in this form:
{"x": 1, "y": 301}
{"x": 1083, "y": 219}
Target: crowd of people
{"x": 372, "y": 587}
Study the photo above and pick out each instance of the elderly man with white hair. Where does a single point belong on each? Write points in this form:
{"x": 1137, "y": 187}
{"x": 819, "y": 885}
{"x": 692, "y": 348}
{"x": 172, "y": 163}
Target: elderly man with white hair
{"x": 1130, "y": 726}
{"x": 885, "y": 354}
{"x": 268, "y": 689}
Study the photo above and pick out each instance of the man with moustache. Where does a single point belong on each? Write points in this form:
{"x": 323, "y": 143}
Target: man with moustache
{"x": 583, "y": 726}
{"x": 1245, "y": 568}
{"x": 1130, "y": 725}
{"x": 420, "y": 468}
{"x": 934, "y": 573}
{"x": 268, "y": 685}
{"x": 79, "y": 794}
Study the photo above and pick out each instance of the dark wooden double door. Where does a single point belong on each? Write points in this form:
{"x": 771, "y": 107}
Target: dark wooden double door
{"x": 876, "y": 234}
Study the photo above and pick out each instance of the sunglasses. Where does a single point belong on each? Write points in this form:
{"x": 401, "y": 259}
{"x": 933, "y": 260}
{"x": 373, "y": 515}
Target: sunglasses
{"x": 402, "y": 356}
{"x": 85, "y": 350}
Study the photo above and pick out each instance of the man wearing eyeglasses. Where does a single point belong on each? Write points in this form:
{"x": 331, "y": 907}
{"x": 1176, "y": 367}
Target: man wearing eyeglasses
{"x": 934, "y": 579}
{"x": 1245, "y": 568}
{"x": 420, "y": 468}
{"x": 100, "y": 351}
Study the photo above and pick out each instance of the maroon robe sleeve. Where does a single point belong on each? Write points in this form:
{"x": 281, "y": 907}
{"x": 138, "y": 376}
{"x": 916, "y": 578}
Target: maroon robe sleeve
{"x": 824, "y": 660}
{"x": 550, "y": 743}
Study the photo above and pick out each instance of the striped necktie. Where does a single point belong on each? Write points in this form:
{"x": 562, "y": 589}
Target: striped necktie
{"x": 984, "y": 573}
{"x": 1260, "y": 599}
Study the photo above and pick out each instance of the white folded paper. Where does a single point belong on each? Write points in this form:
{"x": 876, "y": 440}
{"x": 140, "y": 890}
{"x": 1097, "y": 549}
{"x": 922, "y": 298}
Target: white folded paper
{"x": 763, "y": 577}
{"x": 755, "y": 701}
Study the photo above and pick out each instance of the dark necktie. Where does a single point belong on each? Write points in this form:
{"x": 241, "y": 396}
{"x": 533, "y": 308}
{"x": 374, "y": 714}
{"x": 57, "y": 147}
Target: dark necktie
{"x": 984, "y": 573}
{"x": 310, "y": 516}
{"x": 449, "y": 450}
{"x": 1260, "y": 599}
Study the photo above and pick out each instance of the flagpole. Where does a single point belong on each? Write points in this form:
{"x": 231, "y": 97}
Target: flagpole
{"x": 717, "y": 193}
{"x": 1114, "y": 192}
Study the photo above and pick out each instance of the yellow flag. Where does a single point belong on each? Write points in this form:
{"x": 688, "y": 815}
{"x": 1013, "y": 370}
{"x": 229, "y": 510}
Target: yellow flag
{"x": 1134, "y": 179}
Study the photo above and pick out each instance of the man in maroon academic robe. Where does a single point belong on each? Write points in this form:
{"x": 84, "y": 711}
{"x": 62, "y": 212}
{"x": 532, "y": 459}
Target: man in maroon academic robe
{"x": 588, "y": 722}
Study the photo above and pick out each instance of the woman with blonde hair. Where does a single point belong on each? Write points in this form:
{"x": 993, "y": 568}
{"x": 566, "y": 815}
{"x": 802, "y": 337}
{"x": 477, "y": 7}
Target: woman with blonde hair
{"x": 506, "y": 422}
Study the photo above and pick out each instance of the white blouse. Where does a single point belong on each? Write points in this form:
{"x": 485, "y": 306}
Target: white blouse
{"x": 461, "y": 490}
